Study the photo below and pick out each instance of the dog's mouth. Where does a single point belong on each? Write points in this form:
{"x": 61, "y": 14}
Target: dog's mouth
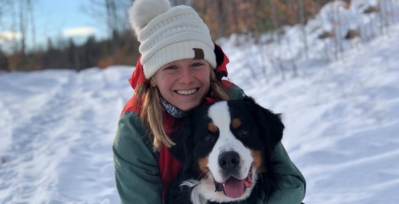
{"x": 233, "y": 187}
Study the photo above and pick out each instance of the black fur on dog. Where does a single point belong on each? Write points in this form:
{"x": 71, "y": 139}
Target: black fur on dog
{"x": 252, "y": 132}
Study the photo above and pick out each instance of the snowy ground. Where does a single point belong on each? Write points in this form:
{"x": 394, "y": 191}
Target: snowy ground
{"x": 342, "y": 124}
{"x": 57, "y": 130}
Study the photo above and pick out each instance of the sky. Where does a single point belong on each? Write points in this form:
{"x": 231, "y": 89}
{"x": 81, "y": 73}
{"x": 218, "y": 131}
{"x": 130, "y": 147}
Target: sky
{"x": 61, "y": 19}
{"x": 69, "y": 19}
{"x": 54, "y": 17}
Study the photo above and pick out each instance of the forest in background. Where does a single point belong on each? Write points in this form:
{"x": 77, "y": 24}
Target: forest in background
{"x": 223, "y": 17}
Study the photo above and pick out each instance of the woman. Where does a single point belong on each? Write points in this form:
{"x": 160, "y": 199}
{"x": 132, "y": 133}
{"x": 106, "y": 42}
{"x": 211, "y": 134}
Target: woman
{"x": 179, "y": 68}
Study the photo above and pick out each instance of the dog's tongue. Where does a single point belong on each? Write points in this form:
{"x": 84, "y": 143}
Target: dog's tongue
{"x": 234, "y": 188}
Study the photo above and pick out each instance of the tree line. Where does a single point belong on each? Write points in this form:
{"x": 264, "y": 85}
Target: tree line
{"x": 223, "y": 17}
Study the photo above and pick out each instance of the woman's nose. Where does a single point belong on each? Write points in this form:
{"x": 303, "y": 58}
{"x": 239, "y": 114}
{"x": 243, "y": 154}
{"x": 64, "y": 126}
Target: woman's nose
{"x": 186, "y": 76}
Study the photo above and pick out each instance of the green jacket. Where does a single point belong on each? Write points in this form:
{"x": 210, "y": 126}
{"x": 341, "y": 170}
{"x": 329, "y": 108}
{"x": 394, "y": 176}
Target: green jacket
{"x": 138, "y": 177}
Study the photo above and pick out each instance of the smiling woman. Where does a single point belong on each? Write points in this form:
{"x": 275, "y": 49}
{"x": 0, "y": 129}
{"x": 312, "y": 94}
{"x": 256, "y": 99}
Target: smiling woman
{"x": 183, "y": 83}
{"x": 180, "y": 68}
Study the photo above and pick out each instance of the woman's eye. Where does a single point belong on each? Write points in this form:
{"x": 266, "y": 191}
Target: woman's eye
{"x": 170, "y": 68}
{"x": 209, "y": 138}
{"x": 198, "y": 64}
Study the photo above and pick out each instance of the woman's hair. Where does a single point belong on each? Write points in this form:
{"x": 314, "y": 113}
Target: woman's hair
{"x": 151, "y": 108}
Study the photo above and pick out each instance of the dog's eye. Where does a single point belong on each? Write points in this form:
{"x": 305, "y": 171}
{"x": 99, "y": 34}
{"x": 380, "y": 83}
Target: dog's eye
{"x": 209, "y": 138}
{"x": 243, "y": 132}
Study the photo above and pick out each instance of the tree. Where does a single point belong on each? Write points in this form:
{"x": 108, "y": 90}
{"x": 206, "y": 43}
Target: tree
{"x": 26, "y": 20}
{"x": 3, "y": 61}
{"x": 113, "y": 14}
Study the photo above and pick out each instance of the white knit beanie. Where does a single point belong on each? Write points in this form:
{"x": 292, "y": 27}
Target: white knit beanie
{"x": 167, "y": 34}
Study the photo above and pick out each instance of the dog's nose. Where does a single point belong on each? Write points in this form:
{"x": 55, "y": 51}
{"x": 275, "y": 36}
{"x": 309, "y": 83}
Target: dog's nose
{"x": 228, "y": 161}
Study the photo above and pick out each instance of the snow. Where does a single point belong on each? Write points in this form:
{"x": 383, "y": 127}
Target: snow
{"x": 341, "y": 121}
{"x": 59, "y": 130}
{"x": 341, "y": 118}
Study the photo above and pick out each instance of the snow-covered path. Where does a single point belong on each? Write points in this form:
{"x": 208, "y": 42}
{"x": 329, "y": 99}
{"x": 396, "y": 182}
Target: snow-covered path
{"x": 54, "y": 121}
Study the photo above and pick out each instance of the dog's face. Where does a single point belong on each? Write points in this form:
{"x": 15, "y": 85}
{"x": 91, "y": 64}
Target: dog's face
{"x": 226, "y": 146}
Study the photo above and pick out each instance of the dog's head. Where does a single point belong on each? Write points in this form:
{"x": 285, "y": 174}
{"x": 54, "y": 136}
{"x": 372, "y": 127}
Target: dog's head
{"x": 225, "y": 147}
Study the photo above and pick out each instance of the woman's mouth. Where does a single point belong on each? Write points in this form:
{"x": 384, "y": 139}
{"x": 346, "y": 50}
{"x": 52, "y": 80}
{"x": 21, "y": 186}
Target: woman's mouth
{"x": 187, "y": 92}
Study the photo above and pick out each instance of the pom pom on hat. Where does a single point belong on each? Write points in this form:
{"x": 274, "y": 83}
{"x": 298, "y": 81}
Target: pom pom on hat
{"x": 167, "y": 34}
{"x": 143, "y": 11}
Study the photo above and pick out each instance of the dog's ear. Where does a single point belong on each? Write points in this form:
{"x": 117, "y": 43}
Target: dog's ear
{"x": 270, "y": 124}
{"x": 249, "y": 99}
{"x": 183, "y": 143}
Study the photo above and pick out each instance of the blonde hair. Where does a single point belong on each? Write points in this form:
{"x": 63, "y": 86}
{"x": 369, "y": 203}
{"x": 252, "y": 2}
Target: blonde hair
{"x": 151, "y": 115}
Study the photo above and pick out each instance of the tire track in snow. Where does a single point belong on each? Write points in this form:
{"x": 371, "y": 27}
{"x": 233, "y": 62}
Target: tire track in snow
{"x": 88, "y": 172}
{"x": 38, "y": 145}
{"x": 61, "y": 131}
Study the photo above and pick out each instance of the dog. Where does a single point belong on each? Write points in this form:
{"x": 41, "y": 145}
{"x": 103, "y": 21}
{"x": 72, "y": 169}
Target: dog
{"x": 226, "y": 151}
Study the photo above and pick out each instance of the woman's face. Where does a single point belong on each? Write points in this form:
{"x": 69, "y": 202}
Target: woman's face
{"x": 183, "y": 83}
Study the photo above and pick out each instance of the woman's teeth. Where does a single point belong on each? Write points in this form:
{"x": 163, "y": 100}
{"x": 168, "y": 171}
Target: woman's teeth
{"x": 186, "y": 92}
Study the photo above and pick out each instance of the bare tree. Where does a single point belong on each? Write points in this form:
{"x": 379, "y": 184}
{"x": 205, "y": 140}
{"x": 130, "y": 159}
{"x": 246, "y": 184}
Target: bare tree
{"x": 114, "y": 17}
{"x": 302, "y": 22}
{"x": 32, "y": 21}
{"x": 22, "y": 25}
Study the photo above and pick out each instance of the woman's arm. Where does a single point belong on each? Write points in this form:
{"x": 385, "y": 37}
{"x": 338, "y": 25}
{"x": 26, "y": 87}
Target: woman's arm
{"x": 292, "y": 184}
{"x": 136, "y": 165}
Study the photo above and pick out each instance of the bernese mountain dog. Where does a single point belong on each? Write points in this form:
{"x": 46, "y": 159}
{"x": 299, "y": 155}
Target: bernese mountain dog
{"x": 226, "y": 150}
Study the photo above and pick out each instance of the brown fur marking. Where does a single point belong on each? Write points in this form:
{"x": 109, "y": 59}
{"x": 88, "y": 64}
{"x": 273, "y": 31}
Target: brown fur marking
{"x": 236, "y": 123}
{"x": 203, "y": 165}
{"x": 212, "y": 127}
{"x": 258, "y": 161}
